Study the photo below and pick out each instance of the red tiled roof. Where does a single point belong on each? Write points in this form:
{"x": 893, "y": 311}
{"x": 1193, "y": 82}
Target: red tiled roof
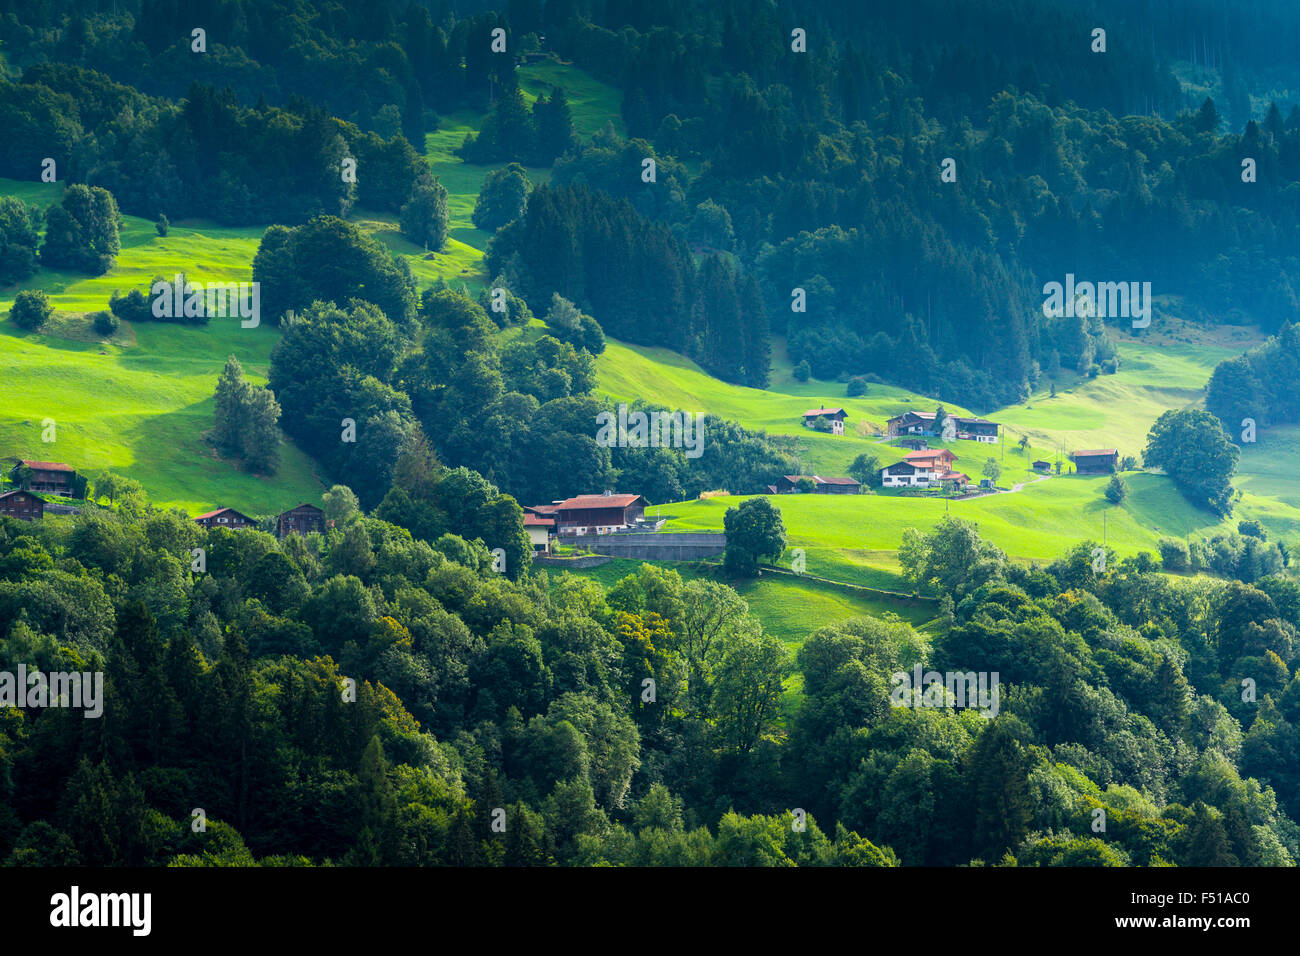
{"x": 541, "y": 509}
{"x": 597, "y": 501}
{"x": 48, "y": 465}
{"x": 822, "y": 411}
{"x": 536, "y": 521}
{"x": 1091, "y": 452}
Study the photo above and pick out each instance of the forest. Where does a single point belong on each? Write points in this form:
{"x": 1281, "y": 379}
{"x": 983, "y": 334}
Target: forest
{"x": 883, "y": 205}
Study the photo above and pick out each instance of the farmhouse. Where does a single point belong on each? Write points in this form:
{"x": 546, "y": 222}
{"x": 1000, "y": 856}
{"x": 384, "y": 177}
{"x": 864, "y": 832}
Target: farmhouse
{"x": 788, "y": 484}
{"x": 600, "y": 514}
{"x": 1042, "y": 465}
{"x": 303, "y": 519}
{"x": 1095, "y": 461}
{"x": 922, "y": 469}
{"x": 835, "y": 416}
{"x": 48, "y": 477}
{"x": 539, "y": 531}
{"x": 22, "y": 504}
{"x": 922, "y": 423}
{"x": 225, "y": 518}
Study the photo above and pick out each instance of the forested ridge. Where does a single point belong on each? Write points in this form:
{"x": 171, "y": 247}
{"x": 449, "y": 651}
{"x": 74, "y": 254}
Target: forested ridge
{"x": 819, "y": 171}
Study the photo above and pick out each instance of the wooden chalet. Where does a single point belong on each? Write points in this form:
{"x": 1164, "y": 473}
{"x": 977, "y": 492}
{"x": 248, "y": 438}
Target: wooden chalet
{"x": 835, "y": 416}
{"x": 1042, "y": 465}
{"x": 922, "y": 423}
{"x": 45, "y": 477}
{"x": 225, "y": 518}
{"x": 23, "y": 505}
{"x": 1095, "y": 461}
{"x": 598, "y": 514}
{"x": 303, "y": 519}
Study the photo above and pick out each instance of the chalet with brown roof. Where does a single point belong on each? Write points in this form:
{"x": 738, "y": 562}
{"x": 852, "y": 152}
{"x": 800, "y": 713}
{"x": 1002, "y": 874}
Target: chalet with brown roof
{"x": 922, "y": 423}
{"x": 225, "y": 518}
{"x": 1095, "y": 461}
{"x": 47, "y": 477}
{"x": 303, "y": 519}
{"x": 835, "y": 416}
{"x": 23, "y": 505}
{"x": 598, "y": 514}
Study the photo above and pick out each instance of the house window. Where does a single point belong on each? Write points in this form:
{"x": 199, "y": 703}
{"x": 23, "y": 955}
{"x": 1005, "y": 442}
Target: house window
{"x": 221, "y": 520}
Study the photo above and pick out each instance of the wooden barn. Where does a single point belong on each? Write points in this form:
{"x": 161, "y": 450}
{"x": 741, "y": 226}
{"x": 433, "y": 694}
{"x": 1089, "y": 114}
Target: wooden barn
{"x": 598, "y": 514}
{"x": 45, "y": 477}
{"x": 23, "y": 505}
{"x": 225, "y": 518}
{"x": 1095, "y": 461}
{"x": 303, "y": 519}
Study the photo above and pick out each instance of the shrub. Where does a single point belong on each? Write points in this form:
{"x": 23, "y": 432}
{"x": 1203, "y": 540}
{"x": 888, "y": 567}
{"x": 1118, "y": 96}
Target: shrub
{"x": 857, "y": 386}
{"x": 31, "y": 309}
{"x": 162, "y": 225}
{"x": 106, "y": 322}
{"x": 802, "y": 372}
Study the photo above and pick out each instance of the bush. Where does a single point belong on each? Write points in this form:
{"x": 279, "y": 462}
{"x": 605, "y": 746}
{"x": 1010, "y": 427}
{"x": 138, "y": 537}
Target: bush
{"x": 1174, "y": 554}
{"x": 857, "y": 386}
{"x": 162, "y": 225}
{"x": 802, "y": 372}
{"x": 106, "y": 322}
{"x": 1116, "y": 490}
{"x": 1252, "y": 529}
{"x": 31, "y": 309}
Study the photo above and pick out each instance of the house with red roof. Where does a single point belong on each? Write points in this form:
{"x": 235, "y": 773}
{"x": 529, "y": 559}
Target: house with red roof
{"x": 46, "y": 477}
{"x": 540, "y": 531}
{"x": 598, "y": 514}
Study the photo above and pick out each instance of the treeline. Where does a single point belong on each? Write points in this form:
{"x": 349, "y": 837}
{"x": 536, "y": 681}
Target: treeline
{"x": 1262, "y": 385}
{"x": 207, "y": 157}
{"x": 388, "y": 68}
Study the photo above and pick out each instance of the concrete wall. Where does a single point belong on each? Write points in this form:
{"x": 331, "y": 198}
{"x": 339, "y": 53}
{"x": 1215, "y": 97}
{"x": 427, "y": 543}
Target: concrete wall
{"x": 649, "y": 546}
{"x": 561, "y": 564}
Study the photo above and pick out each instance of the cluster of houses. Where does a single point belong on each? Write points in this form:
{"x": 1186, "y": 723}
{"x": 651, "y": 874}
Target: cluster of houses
{"x": 302, "y": 519}
{"x": 922, "y": 423}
